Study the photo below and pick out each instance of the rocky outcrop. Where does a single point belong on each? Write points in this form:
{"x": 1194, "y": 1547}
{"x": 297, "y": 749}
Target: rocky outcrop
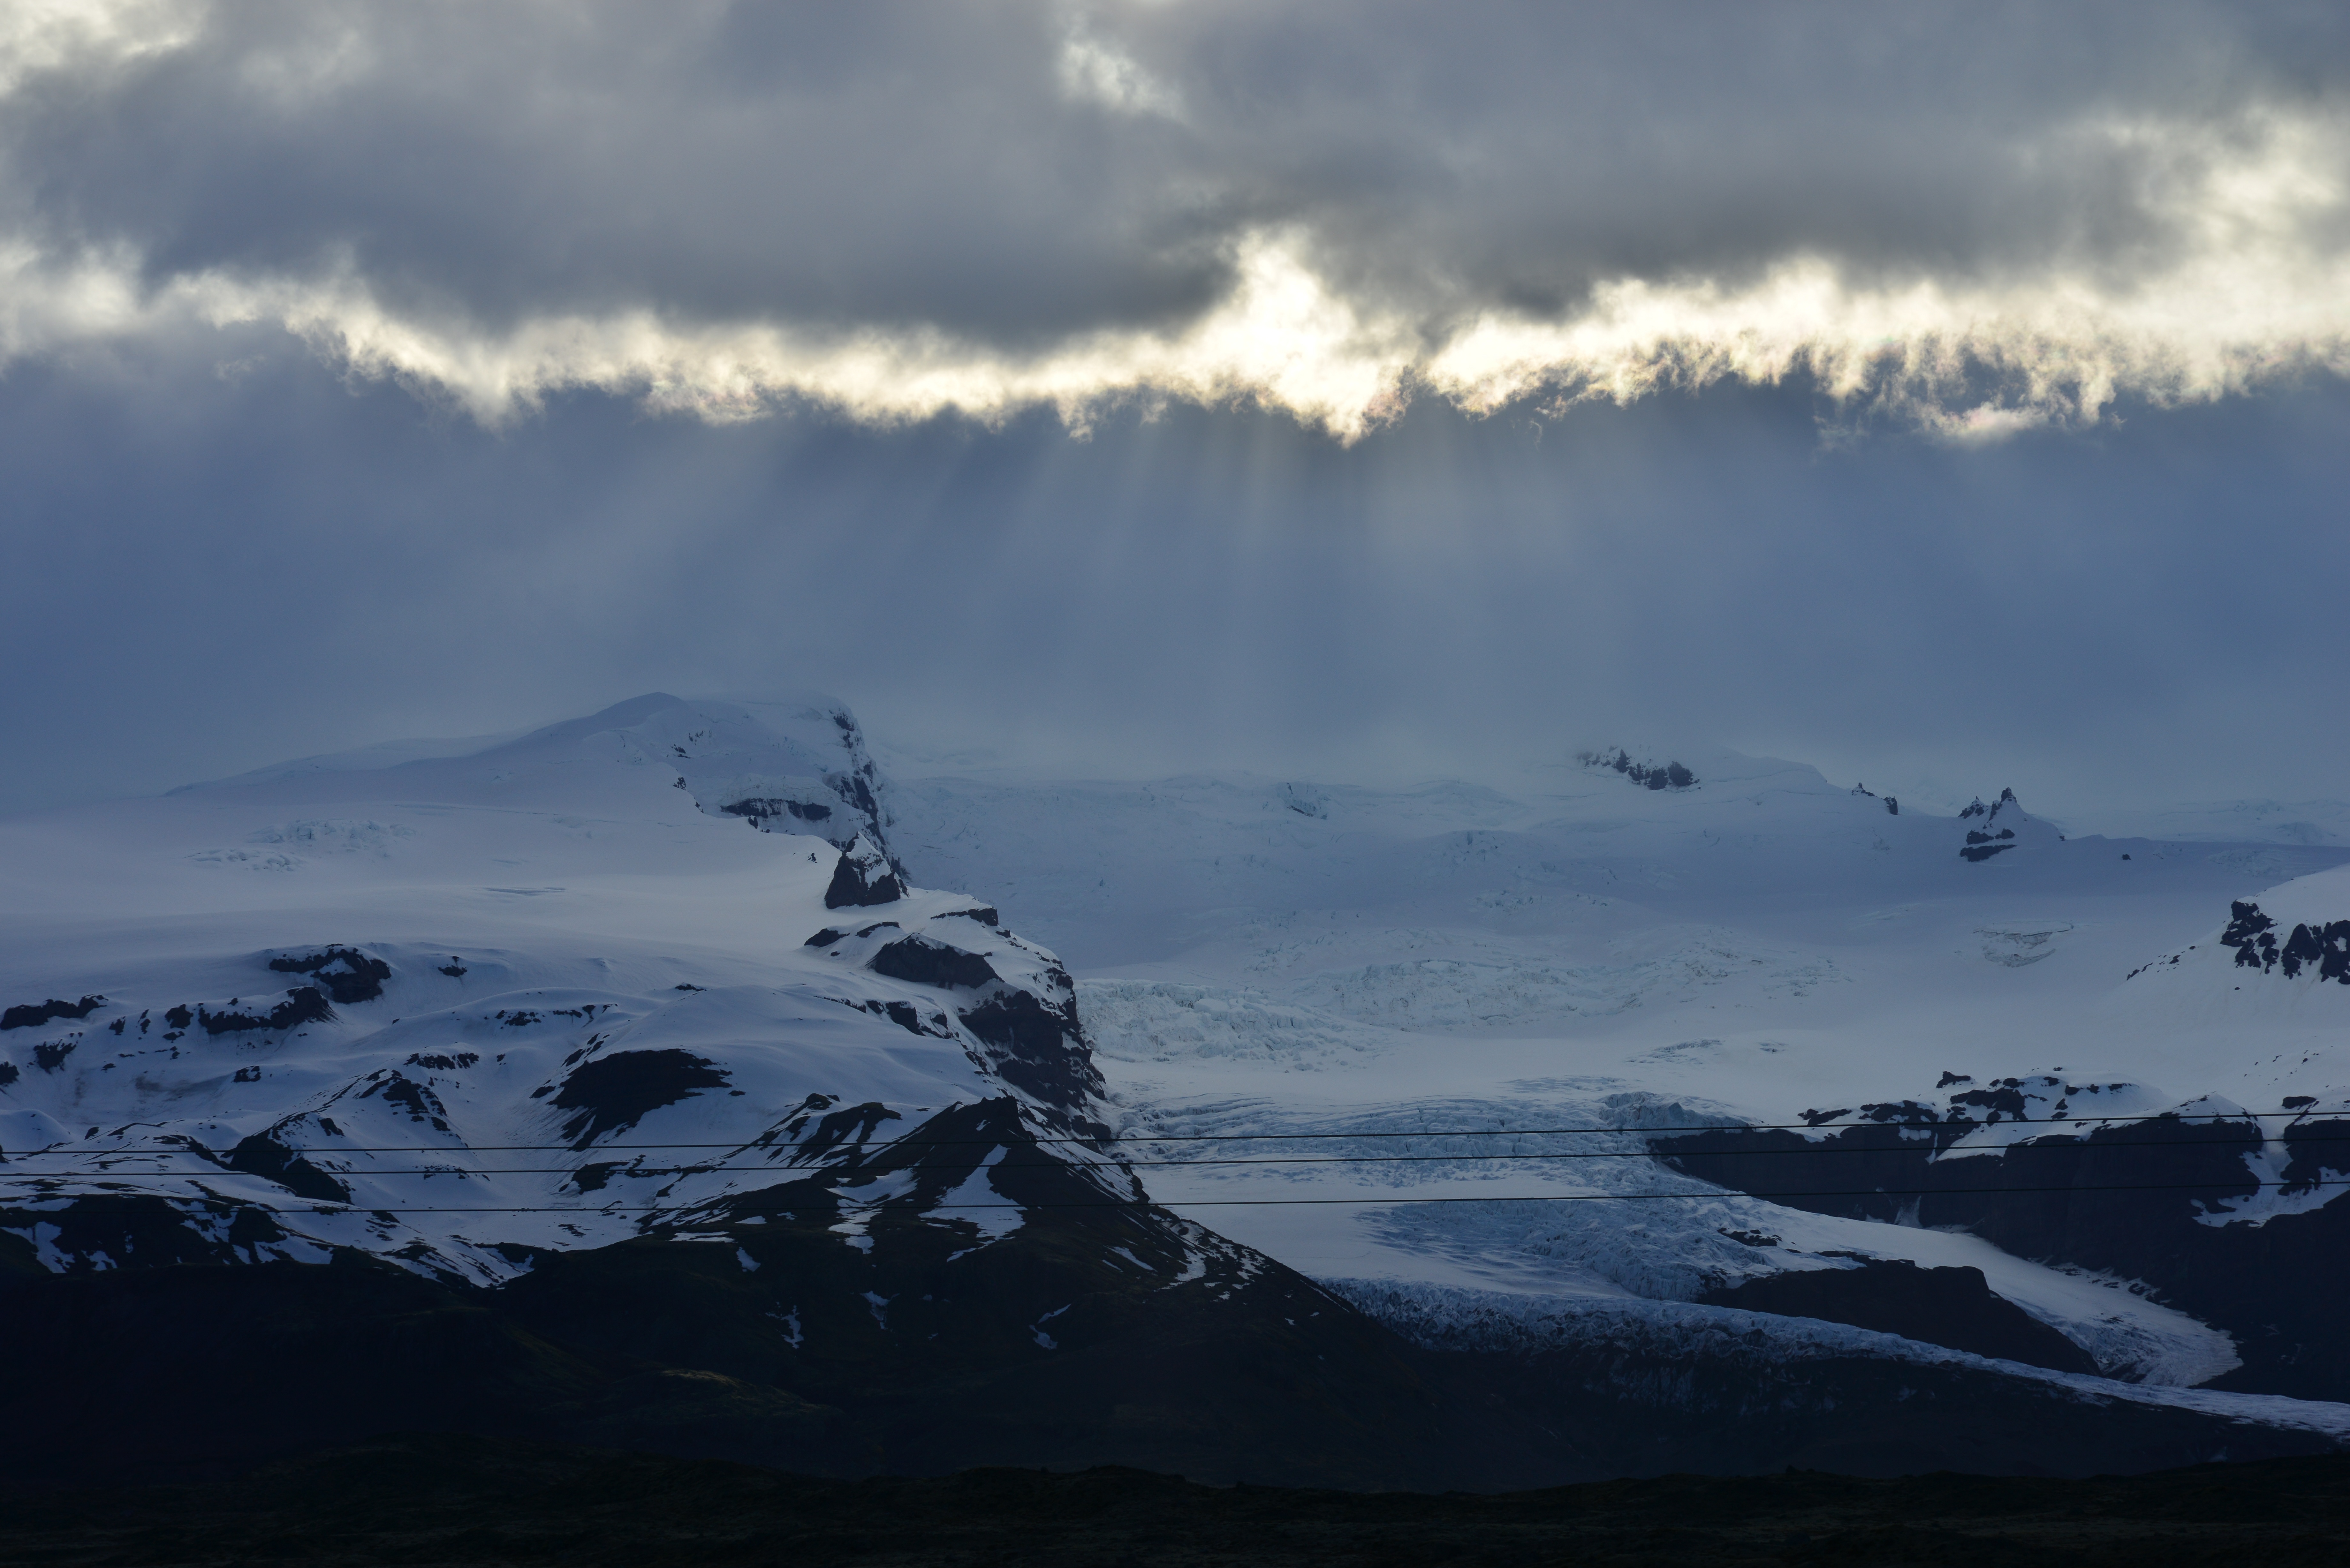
{"x": 2172, "y": 1201}
{"x": 33, "y": 1015}
{"x": 1034, "y": 1042}
{"x": 2001, "y": 827}
{"x": 1648, "y": 774}
{"x": 1951, "y": 1306}
{"x": 303, "y": 1005}
{"x": 348, "y": 974}
{"x": 611, "y": 1093}
{"x": 2322, "y": 949}
{"x": 267, "y": 1153}
{"x": 863, "y": 877}
{"x": 926, "y": 963}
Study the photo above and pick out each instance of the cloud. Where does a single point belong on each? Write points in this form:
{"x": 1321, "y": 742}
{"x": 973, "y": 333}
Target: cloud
{"x": 2246, "y": 292}
{"x": 1095, "y": 72}
{"x": 1972, "y": 220}
{"x": 40, "y": 37}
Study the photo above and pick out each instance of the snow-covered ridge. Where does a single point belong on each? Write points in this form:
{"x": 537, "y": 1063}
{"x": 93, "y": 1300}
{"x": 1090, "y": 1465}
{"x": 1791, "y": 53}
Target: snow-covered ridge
{"x": 571, "y": 1001}
{"x": 793, "y": 764}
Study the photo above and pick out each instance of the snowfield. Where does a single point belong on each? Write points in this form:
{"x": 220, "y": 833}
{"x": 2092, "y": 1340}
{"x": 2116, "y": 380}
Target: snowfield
{"x": 1594, "y": 957}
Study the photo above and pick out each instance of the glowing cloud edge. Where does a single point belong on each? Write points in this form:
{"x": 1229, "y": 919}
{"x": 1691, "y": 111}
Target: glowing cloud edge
{"x": 1962, "y": 363}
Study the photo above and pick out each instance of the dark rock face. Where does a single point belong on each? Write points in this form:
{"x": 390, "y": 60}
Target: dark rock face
{"x": 1034, "y": 1044}
{"x": 863, "y": 877}
{"x": 617, "y": 1091}
{"x": 760, "y": 810}
{"x": 416, "y": 1099}
{"x": 920, "y": 962}
{"x": 303, "y": 1005}
{"x": 2322, "y": 948}
{"x": 1650, "y": 775}
{"x": 1981, "y": 846}
{"x": 51, "y": 1055}
{"x": 32, "y": 1014}
{"x": 909, "y": 1017}
{"x": 2246, "y": 925}
{"x": 435, "y": 1063}
{"x": 1952, "y": 1307}
{"x": 2148, "y": 1200}
{"x": 265, "y": 1154}
{"x": 348, "y": 974}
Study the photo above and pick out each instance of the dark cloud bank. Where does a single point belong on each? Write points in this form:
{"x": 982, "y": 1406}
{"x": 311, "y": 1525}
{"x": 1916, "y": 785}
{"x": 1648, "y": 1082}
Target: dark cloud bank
{"x": 236, "y": 542}
{"x": 1013, "y": 169}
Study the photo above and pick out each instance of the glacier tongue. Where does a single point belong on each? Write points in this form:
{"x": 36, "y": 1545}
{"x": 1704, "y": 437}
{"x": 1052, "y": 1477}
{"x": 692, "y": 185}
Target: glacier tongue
{"x": 1751, "y": 945}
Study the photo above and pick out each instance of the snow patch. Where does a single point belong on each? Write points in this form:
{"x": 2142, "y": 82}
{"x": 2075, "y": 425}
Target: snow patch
{"x": 975, "y": 1201}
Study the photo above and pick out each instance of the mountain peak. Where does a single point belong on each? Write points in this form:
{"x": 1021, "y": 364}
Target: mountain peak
{"x": 1993, "y": 830}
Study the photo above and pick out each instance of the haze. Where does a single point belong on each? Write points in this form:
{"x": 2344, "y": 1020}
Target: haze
{"x": 1950, "y": 397}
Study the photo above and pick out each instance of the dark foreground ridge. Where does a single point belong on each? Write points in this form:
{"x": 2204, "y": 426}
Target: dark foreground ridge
{"x": 458, "y": 1500}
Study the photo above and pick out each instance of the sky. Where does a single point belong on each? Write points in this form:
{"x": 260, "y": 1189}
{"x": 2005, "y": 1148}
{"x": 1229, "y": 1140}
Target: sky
{"x": 1950, "y": 396}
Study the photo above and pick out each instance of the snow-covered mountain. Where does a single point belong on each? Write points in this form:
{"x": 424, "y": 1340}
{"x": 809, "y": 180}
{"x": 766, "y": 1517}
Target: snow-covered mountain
{"x": 1647, "y": 1070}
{"x": 1840, "y": 1021}
{"x": 1999, "y": 828}
{"x": 790, "y": 764}
{"x": 643, "y": 975}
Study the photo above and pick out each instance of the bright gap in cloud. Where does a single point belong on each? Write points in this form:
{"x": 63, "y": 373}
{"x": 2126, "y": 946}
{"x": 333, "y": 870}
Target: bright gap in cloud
{"x": 2249, "y": 290}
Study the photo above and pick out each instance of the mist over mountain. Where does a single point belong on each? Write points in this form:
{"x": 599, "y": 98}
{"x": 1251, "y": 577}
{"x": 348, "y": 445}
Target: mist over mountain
{"x": 1129, "y": 389}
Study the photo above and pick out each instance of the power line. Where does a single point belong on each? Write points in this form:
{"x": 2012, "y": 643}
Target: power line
{"x": 317, "y": 1207}
{"x": 1154, "y": 1164}
{"x": 2093, "y": 1123}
